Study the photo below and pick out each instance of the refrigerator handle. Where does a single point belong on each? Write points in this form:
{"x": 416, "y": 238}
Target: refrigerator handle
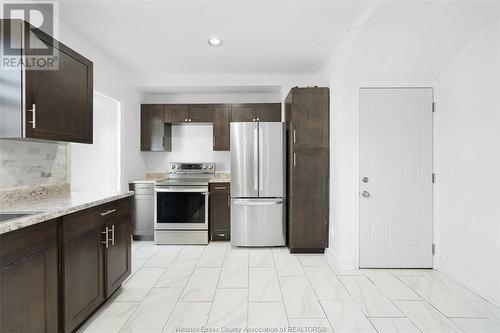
{"x": 261, "y": 178}
{"x": 255, "y": 159}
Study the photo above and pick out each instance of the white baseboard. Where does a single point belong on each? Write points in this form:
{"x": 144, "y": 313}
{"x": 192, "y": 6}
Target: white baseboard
{"x": 339, "y": 262}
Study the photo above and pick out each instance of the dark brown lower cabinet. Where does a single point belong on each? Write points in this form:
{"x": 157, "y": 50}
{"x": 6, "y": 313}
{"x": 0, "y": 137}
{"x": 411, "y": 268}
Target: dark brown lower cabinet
{"x": 96, "y": 258}
{"x": 220, "y": 212}
{"x": 118, "y": 260}
{"x": 29, "y": 279}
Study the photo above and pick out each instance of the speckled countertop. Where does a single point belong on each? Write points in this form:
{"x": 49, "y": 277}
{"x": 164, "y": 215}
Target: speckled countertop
{"x": 54, "y": 206}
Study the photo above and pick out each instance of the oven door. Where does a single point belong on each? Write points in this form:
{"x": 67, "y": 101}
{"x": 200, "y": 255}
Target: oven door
{"x": 181, "y": 207}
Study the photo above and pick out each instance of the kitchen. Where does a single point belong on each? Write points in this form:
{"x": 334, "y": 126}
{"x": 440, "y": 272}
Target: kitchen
{"x": 233, "y": 178}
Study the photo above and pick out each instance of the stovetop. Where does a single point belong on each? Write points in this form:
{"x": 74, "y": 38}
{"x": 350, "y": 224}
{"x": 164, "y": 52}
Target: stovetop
{"x": 189, "y": 174}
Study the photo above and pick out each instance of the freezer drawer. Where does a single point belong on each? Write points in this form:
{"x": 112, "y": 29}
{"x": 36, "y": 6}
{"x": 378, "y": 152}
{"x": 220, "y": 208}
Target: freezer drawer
{"x": 258, "y": 222}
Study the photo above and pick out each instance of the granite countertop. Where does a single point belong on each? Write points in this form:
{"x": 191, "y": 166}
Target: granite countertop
{"x": 54, "y": 206}
{"x": 151, "y": 178}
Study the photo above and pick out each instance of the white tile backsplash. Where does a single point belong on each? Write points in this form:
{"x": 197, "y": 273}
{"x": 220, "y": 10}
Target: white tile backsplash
{"x": 24, "y": 163}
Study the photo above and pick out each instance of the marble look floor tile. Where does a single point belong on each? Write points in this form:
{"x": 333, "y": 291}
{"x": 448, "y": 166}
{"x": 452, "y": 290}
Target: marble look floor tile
{"x": 391, "y": 286}
{"x": 263, "y": 285}
{"x": 234, "y": 274}
{"x": 177, "y": 274}
{"x": 347, "y": 317}
{"x": 146, "y": 251}
{"x": 370, "y": 299}
{"x": 201, "y": 285}
{"x": 426, "y": 317}
{"x": 349, "y": 272}
{"x": 312, "y": 260}
{"x": 405, "y": 272}
{"x": 229, "y": 309}
{"x": 261, "y": 258}
{"x": 138, "y": 244}
{"x": 486, "y": 310}
{"x": 394, "y": 325}
{"x": 476, "y": 325}
{"x": 287, "y": 265}
{"x": 326, "y": 285}
{"x": 451, "y": 286}
{"x": 137, "y": 288}
{"x": 136, "y": 265}
{"x": 269, "y": 315}
{"x": 110, "y": 318}
{"x": 213, "y": 256}
{"x": 154, "y": 312}
{"x": 188, "y": 315}
{"x": 310, "y": 325}
{"x": 440, "y": 298}
{"x": 234, "y": 252}
{"x": 164, "y": 257}
{"x": 299, "y": 298}
{"x": 191, "y": 252}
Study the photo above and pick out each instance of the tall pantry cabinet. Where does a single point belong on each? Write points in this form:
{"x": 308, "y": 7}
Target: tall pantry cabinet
{"x": 307, "y": 119}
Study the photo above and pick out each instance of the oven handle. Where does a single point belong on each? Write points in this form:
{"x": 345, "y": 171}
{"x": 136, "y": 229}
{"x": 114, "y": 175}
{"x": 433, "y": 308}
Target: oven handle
{"x": 181, "y": 189}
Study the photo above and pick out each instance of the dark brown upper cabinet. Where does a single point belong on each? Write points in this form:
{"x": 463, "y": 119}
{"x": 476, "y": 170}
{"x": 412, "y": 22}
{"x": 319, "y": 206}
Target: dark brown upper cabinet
{"x": 57, "y": 101}
{"x": 29, "y": 279}
{"x": 156, "y": 135}
{"x": 256, "y": 112}
{"x": 221, "y": 116}
{"x": 200, "y": 113}
{"x": 176, "y": 113}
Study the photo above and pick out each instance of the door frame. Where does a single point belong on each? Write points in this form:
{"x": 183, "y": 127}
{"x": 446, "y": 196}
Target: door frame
{"x": 434, "y": 85}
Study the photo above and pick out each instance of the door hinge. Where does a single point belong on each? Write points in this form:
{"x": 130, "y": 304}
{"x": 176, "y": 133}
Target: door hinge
{"x": 433, "y": 249}
{"x": 433, "y": 107}
{"x": 433, "y": 178}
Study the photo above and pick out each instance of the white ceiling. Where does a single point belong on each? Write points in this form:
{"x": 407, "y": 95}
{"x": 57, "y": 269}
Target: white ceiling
{"x": 292, "y": 37}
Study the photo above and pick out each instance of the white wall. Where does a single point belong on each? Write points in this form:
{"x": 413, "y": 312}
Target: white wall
{"x": 390, "y": 44}
{"x": 468, "y": 164}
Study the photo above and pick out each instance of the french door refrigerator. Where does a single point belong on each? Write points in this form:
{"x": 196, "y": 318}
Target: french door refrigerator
{"x": 258, "y": 202}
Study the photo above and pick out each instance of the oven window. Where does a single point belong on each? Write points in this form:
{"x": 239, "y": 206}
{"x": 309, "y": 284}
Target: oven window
{"x": 180, "y": 207}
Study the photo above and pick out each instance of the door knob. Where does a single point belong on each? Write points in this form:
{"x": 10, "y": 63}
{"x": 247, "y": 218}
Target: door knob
{"x": 365, "y": 194}
{"x": 365, "y": 179}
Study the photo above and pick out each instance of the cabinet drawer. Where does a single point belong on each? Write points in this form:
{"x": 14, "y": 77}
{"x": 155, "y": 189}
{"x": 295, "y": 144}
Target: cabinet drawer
{"x": 219, "y": 187}
{"x": 220, "y": 235}
{"x": 143, "y": 188}
{"x": 19, "y": 244}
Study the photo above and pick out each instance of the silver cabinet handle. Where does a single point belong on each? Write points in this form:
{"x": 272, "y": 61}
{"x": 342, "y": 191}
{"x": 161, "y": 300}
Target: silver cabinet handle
{"x": 294, "y": 160}
{"x": 221, "y": 235}
{"x": 190, "y": 120}
{"x": 186, "y": 119}
{"x": 112, "y": 234}
{"x": 108, "y": 212}
{"x": 253, "y": 119}
{"x": 228, "y": 201}
{"x": 294, "y": 136}
{"x": 219, "y": 188}
{"x": 106, "y": 240}
{"x": 33, "y": 111}
{"x": 365, "y": 194}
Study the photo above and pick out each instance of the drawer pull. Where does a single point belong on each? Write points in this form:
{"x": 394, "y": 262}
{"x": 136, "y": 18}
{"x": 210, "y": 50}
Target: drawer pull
{"x": 108, "y": 212}
{"x": 112, "y": 235}
{"x": 220, "y": 188}
{"x": 221, "y": 235}
{"x": 106, "y": 240}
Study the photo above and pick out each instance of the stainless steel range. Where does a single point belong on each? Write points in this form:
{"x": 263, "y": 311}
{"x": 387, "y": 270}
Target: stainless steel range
{"x": 181, "y": 204}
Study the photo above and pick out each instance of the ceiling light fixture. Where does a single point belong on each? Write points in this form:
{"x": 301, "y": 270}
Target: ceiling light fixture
{"x": 214, "y": 42}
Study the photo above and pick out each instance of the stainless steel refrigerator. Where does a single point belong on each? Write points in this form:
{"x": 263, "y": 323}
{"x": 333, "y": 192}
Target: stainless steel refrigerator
{"x": 258, "y": 202}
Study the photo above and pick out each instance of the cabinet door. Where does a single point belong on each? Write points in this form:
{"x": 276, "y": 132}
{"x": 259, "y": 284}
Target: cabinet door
{"x": 243, "y": 112}
{"x": 269, "y": 112}
{"x": 153, "y": 128}
{"x": 220, "y": 212}
{"x": 310, "y": 117}
{"x": 176, "y": 113}
{"x": 200, "y": 113}
{"x": 29, "y": 294}
{"x": 59, "y": 103}
{"x": 308, "y": 214}
{"x": 118, "y": 253}
{"x": 221, "y": 115}
{"x": 83, "y": 274}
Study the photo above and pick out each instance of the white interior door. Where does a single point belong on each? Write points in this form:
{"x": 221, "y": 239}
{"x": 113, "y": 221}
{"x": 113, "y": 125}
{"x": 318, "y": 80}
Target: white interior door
{"x": 395, "y": 185}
